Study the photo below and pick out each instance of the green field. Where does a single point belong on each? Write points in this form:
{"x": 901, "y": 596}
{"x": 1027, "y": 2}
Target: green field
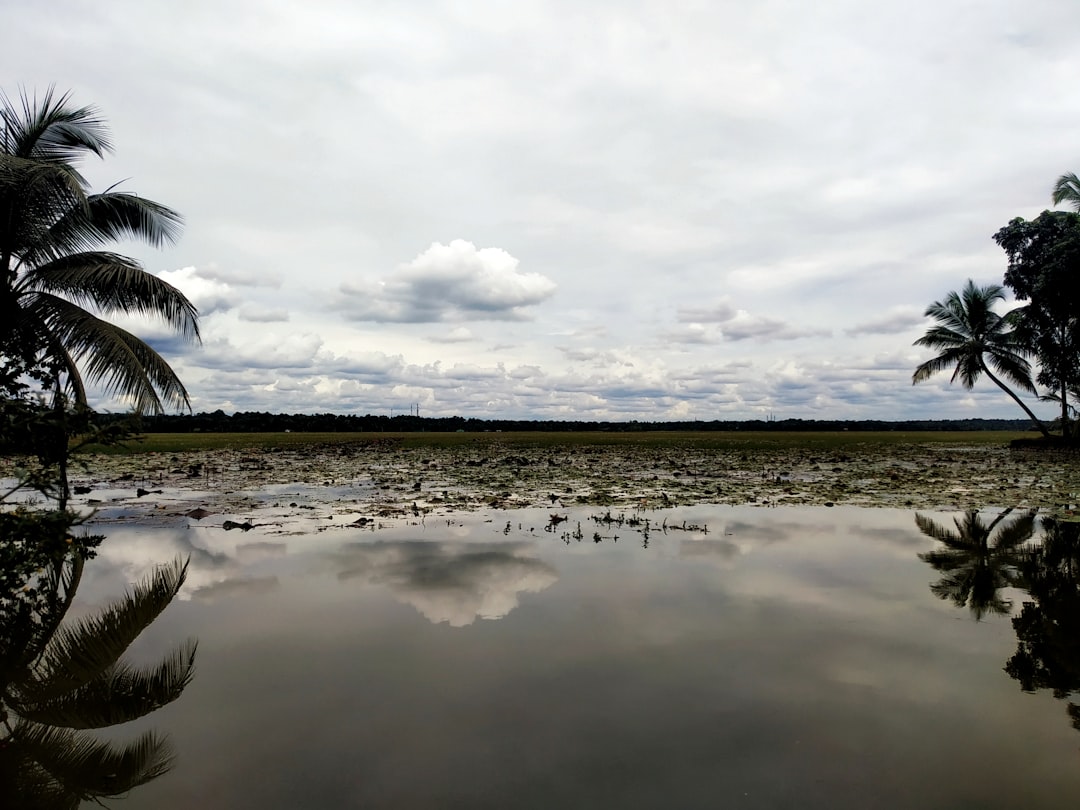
{"x": 748, "y": 441}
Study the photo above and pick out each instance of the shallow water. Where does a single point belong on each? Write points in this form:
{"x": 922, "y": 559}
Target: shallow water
{"x": 735, "y": 657}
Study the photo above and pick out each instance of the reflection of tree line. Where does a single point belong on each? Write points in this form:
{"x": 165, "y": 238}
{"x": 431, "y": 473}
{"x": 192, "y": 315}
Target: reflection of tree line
{"x": 981, "y": 557}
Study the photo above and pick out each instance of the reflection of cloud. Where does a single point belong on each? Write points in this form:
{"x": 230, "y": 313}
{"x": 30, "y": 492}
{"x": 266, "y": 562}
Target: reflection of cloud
{"x": 450, "y": 583}
{"x": 724, "y": 549}
{"x": 765, "y": 534}
{"x": 252, "y": 552}
{"x": 900, "y": 537}
{"x": 232, "y": 587}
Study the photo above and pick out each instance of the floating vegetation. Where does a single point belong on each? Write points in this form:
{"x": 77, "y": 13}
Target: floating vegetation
{"x": 627, "y": 480}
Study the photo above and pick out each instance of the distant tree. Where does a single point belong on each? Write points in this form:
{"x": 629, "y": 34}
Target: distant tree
{"x": 56, "y": 275}
{"x": 971, "y": 337}
{"x": 1044, "y": 271}
{"x": 1067, "y": 189}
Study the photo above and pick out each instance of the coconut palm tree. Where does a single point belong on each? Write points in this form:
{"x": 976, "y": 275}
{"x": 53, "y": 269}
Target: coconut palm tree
{"x": 976, "y": 561}
{"x": 970, "y": 337}
{"x": 58, "y": 280}
{"x": 58, "y": 680}
{"x": 1067, "y": 189}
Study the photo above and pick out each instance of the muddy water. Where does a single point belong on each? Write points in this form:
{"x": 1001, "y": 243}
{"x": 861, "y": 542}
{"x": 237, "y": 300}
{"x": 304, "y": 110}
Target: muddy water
{"x": 699, "y": 656}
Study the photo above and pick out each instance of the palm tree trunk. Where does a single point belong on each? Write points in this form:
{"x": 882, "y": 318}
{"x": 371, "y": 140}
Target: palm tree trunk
{"x": 1065, "y": 431}
{"x": 1037, "y": 422}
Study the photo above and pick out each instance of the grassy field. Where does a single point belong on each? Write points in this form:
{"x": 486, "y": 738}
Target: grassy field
{"x": 748, "y": 441}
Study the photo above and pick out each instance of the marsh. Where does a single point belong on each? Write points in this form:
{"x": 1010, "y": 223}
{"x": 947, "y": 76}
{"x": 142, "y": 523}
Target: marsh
{"x": 697, "y": 656}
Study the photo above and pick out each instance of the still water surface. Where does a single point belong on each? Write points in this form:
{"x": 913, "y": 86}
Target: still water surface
{"x": 750, "y": 658}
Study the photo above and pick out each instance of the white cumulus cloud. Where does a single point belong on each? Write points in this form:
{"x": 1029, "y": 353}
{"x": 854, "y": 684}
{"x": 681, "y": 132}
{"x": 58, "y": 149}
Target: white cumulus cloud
{"x": 455, "y": 282}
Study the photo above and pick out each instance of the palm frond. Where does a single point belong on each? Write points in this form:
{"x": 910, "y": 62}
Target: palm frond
{"x": 112, "y": 216}
{"x": 33, "y": 196}
{"x": 80, "y": 652}
{"x": 1013, "y": 535}
{"x": 111, "y": 356}
{"x": 947, "y": 359}
{"x": 51, "y": 130}
{"x": 91, "y": 768}
{"x": 1067, "y": 189}
{"x": 114, "y": 283}
{"x": 931, "y": 528}
{"x": 120, "y": 694}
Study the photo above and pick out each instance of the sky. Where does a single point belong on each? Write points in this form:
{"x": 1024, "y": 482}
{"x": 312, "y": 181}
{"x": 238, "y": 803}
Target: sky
{"x": 557, "y": 210}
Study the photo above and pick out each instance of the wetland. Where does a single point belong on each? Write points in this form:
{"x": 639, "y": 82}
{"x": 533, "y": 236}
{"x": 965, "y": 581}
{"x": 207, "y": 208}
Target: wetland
{"x": 497, "y": 621}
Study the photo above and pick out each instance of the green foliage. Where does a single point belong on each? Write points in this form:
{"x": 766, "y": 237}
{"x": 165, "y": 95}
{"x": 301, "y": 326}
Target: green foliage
{"x": 1044, "y": 271}
{"x": 56, "y": 276}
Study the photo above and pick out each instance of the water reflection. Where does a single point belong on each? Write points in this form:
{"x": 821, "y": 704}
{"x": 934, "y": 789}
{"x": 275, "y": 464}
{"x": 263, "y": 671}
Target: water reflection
{"x": 448, "y": 582}
{"x": 782, "y": 658}
{"x": 980, "y": 558}
{"x": 1048, "y": 626}
{"x": 59, "y": 679}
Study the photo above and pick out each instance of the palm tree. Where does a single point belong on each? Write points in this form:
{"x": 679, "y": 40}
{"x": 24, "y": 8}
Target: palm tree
{"x": 57, "y": 277}
{"x": 58, "y": 680}
{"x": 1067, "y": 189}
{"x": 978, "y": 563}
{"x": 968, "y": 333}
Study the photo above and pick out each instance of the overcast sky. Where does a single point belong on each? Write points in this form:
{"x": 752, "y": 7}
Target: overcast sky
{"x": 571, "y": 210}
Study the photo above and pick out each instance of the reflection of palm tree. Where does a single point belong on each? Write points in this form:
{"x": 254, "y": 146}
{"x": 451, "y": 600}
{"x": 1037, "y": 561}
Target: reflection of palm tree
{"x": 979, "y": 559}
{"x": 969, "y": 335}
{"x": 57, "y": 680}
{"x": 1048, "y": 627}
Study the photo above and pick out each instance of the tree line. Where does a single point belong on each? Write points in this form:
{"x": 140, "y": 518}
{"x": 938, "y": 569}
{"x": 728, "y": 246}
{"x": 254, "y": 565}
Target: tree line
{"x": 265, "y": 422}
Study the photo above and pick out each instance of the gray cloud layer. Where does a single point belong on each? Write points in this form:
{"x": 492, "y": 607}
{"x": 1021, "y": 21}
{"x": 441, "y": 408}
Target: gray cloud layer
{"x": 557, "y": 210}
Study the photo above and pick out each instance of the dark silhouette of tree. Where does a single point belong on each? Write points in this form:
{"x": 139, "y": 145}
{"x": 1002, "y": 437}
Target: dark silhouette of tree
{"x": 1048, "y": 626}
{"x": 979, "y": 559}
{"x": 59, "y": 679}
{"x": 1044, "y": 272}
{"x": 56, "y": 271}
{"x": 970, "y": 336}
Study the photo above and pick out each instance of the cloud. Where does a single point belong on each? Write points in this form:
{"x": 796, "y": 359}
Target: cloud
{"x": 745, "y": 326}
{"x": 207, "y": 294}
{"x": 895, "y": 321}
{"x": 459, "y": 334}
{"x": 448, "y": 283}
{"x": 720, "y": 311}
{"x": 721, "y": 320}
{"x": 253, "y": 314}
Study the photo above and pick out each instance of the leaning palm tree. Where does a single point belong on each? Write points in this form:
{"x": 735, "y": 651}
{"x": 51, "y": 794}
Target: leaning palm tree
{"x": 57, "y": 680}
{"x": 1067, "y": 189}
{"x": 970, "y": 337}
{"x": 58, "y": 280}
{"x": 978, "y": 562}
